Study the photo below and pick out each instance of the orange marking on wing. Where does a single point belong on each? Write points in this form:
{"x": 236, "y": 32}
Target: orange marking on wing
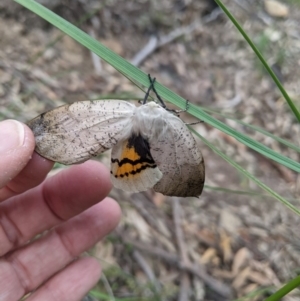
{"x": 130, "y": 170}
{"x": 130, "y": 153}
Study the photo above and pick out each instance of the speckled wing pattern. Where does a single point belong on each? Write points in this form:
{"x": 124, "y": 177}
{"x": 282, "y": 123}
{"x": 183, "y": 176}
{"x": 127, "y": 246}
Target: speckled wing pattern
{"x": 74, "y": 133}
{"x": 178, "y": 157}
{"x": 151, "y": 147}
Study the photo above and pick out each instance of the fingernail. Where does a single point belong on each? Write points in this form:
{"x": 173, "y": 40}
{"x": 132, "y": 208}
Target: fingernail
{"x": 12, "y": 135}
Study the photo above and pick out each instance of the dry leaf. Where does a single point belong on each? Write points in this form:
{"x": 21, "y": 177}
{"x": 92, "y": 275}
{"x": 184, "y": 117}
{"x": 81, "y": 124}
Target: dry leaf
{"x": 276, "y": 9}
{"x": 241, "y": 278}
{"x": 241, "y": 259}
{"x": 226, "y": 247}
{"x": 208, "y": 255}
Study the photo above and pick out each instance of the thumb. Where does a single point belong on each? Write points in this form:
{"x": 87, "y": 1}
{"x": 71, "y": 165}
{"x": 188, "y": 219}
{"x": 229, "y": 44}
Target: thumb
{"x": 16, "y": 147}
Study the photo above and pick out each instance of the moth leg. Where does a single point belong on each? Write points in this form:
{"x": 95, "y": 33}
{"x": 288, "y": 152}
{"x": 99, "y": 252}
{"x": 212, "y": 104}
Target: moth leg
{"x": 187, "y": 104}
{"x": 176, "y": 112}
{"x": 194, "y": 123}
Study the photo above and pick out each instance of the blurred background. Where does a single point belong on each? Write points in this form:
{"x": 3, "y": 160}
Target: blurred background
{"x": 233, "y": 241}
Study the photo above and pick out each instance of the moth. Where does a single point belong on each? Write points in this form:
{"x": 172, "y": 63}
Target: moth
{"x": 151, "y": 146}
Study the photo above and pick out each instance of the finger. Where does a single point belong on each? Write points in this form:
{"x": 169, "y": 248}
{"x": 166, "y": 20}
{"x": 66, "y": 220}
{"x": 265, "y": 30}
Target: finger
{"x": 72, "y": 283}
{"x": 89, "y": 184}
{"x": 32, "y": 265}
{"x": 32, "y": 175}
{"x": 65, "y": 195}
{"x": 16, "y": 148}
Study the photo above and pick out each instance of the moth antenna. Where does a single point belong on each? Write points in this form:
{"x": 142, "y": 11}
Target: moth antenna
{"x": 149, "y": 89}
{"x": 154, "y": 90}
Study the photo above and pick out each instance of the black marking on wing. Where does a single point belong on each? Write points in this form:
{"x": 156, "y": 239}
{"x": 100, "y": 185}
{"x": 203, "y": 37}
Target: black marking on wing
{"x": 141, "y": 147}
{"x": 126, "y": 174}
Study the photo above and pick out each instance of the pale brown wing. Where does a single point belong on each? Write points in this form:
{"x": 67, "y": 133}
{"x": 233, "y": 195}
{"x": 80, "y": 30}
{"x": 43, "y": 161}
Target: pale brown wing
{"x": 74, "y": 133}
{"x": 179, "y": 158}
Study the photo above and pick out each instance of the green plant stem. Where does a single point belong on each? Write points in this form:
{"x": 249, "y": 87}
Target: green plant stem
{"x": 291, "y": 285}
{"x": 248, "y": 175}
{"x": 244, "y": 192}
{"x": 263, "y": 61}
{"x": 253, "y": 127}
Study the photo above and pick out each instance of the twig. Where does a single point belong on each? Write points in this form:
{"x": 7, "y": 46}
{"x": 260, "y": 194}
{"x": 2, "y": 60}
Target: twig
{"x": 185, "y": 286}
{"x": 138, "y": 201}
{"x": 147, "y": 270}
{"x": 233, "y": 102}
{"x": 260, "y": 15}
{"x": 184, "y": 279}
{"x": 155, "y": 43}
{"x": 239, "y": 94}
{"x": 178, "y": 231}
{"x": 12, "y": 69}
{"x": 144, "y": 52}
{"x": 221, "y": 288}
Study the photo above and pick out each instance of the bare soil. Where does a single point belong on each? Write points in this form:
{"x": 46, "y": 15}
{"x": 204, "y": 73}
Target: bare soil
{"x": 223, "y": 245}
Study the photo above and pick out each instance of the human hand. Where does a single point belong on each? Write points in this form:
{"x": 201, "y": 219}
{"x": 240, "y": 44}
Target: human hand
{"x": 60, "y": 205}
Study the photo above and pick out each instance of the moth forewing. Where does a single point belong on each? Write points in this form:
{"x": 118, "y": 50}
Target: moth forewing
{"x": 74, "y": 133}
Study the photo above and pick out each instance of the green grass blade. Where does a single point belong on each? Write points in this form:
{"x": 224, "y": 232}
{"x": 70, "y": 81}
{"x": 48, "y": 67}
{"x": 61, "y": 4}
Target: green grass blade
{"x": 287, "y": 288}
{"x": 244, "y": 192}
{"x": 136, "y": 74}
{"x": 266, "y": 133}
{"x": 103, "y": 297}
{"x": 263, "y": 61}
{"x": 248, "y": 175}
{"x": 253, "y": 295}
{"x": 255, "y": 128}
{"x": 255, "y": 145}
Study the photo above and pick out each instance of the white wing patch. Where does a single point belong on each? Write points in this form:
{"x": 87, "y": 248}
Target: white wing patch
{"x": 151, "y": 147}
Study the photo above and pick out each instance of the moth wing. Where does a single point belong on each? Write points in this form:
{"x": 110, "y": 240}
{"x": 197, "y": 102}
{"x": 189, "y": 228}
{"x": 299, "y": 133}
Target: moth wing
{"x": 74, "y": 133}
{"x": 178, "y": 157}
{"x": 132, "y": 166}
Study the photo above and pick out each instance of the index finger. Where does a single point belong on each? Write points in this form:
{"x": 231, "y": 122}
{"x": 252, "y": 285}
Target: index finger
{"x": 30, "y": 176}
